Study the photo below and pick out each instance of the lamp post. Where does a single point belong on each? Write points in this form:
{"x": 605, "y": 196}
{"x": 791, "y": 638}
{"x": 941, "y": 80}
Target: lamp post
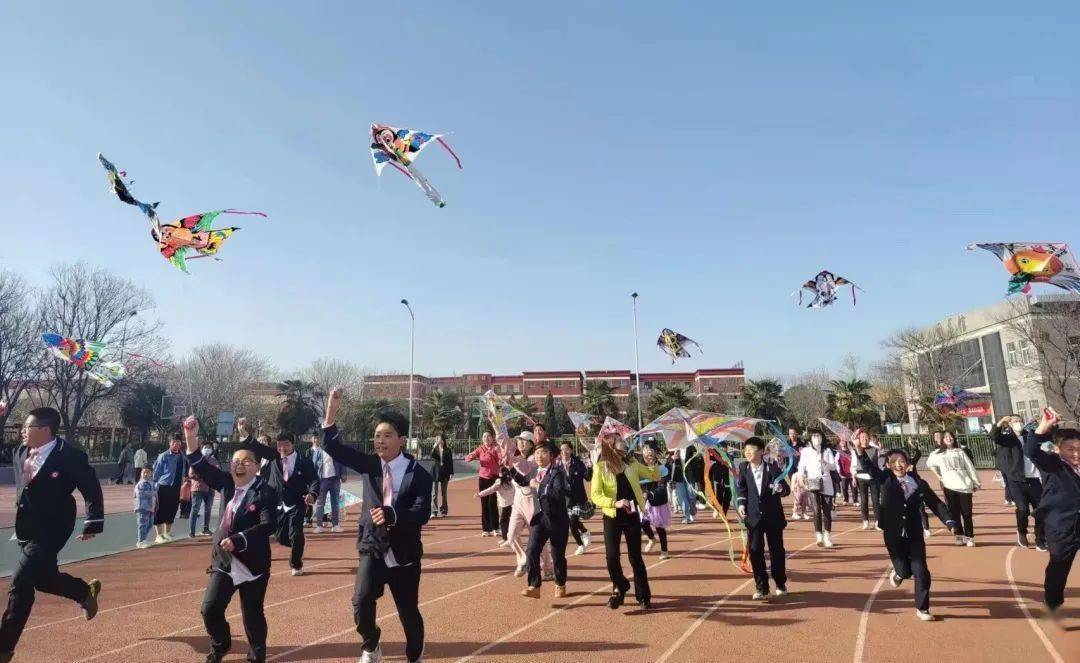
{"x": 637, "y": 363}
{"x": 412, "y": 359}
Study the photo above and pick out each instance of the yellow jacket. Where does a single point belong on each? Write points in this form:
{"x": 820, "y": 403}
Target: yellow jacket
{"x": 603, "y": 486}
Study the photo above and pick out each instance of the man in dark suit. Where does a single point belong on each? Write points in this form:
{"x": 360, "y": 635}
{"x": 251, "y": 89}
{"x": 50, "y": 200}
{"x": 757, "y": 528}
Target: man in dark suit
{"x": 442, "y": 472}
{"x": 47, "y": 471}
{"x": 550, "y": 521}
{"x": 240, "y": 554}
{"x": 903, "y": 497}
{"x": 1060, "y": 506}
{"x": 397, "y": 500}
{"x": 760, "y": 490}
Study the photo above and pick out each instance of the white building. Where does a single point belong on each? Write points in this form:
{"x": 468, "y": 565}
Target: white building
{"x": 992, "y": 352}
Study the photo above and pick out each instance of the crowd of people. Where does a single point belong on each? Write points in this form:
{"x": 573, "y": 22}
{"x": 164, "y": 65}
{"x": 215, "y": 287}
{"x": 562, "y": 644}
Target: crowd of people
{"x": 534, "y": 496}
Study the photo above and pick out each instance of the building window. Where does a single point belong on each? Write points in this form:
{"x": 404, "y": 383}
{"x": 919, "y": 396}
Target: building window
{"x": 1034, "y": 409}
{"x": 1021, "y": 410}
{"x": 1024, "y": 350}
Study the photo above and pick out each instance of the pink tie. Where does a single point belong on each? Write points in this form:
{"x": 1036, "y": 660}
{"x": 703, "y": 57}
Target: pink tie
{"x": 387, "y": 486}
{"x": 28, "y": 466}
{"x": 230, "y": 511}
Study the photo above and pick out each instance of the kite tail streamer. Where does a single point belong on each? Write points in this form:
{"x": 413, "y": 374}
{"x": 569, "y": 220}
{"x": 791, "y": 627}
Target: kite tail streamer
{"x": 144, "y": 357}
{"x": 710, "y": 498}
{"x": 236, "y": 211}
{"x": 403, "y": 171}
{"x": 448, "y": 149}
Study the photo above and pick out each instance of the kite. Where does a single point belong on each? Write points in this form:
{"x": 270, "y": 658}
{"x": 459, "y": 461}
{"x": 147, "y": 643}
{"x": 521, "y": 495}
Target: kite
{"x": 500, "y": 411}
{"x": 194, "y": 233}
{"x": 951, "y": 399}
{"x": 825, "y": 286}
{"x": 1036, "y": 262}
{"x": 86, "y": 356}
{"x": 838, "y": 429}
{"x": 674, "y": 344}
{"x": 582, "y": 421}
{"x": 612, "y": 425}
{"x": 400, "y": 148}
{"x": 122, "y": 188}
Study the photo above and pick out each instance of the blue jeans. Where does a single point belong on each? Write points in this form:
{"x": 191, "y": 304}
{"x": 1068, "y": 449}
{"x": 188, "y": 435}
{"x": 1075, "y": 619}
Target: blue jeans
{"x": 331, "y": 487}
{"x": 146, "y": 523}
{"x": 206, "y": 501}
{"x": 686, "y": 503}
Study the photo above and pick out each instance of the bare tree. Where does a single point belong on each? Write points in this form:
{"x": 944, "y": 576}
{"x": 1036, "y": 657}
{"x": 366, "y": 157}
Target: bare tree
{"x": 888, "y": 390}
{"x": 217, "y": 377}
{"x": 92, "y": 304}
{"x": 21, "y": 352}
{"x": 1052, "y": 327}
{"x": 806, "y": 396}
{"x": 328, "y": 372}
{"x": 927, "y": 359}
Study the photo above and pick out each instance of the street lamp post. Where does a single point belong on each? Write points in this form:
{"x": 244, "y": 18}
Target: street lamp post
{"x": 412, "y": 360}
{"x": 637, "y": 363}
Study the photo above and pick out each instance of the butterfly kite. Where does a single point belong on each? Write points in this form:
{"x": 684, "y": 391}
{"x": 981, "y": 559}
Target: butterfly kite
{"x": 825, "y": 286}
{"x": 1036, "y": 262}
{"x": 674, "y": 344}
{"x": 86, "y": 356}
{"x": 580, "y": 420}
{"x": 500, "y": 411}
{"x": 952, "y": 399}
{"x": 175, "y": 240}
{"x": 400, "y": 148}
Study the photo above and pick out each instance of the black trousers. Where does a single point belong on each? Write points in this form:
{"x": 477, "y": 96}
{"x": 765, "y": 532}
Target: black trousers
{"x": 291, "y": 534}
{"x": 121, "y": 471}
{"x": 442, "y": 486}
{"x": 660, "y": 532}
{"x": 577, "y": 528}
{"x": 219, "y": 593}
{"x": 504, "y": 520}
{"x": 847, "y": 485}
{"x": 908, "y": 557}
{"x": 168, "y": 501}
{"x": 489, "y": 507}
{"x": 540, "y": 534}
{"x": 960, "y": 507}
{"x": 1026, "y": 495}
{"x": 35, "y": 571}
{"x": 372, "y": 578}
{"x": 756, "y": 538}
{"x": 1062, "y": 554}
{"x": 823, "y": 507}
{"x": 869, "y": 490}
{"x": 628, "y": 526}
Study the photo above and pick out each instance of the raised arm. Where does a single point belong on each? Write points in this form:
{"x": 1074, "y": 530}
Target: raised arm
{"x": 868, "y": 466}
{"x": 1033, "y": 441}
{"x": 354, "y": 459}
{"x": 214, "y": 477}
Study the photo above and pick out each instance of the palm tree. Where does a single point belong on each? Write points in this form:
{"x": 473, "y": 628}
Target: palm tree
{"x": 850, "y": 402}
{"x": 299, "y": 412}
{"x": 442, "y": 412}
{"x": 665, "y": 397}
{"x": 763, "y": 399}
{"x": 599, "y": 400}
{"x": 526, "y": 406}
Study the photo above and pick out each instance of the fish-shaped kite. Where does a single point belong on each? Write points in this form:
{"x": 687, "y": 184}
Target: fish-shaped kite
{"x": 1036, "y": 262}
{"x": 121, "y": 188}
{"x": 174, "y": 240}
{"x": 952, "y": 399}
{"x": 825, "y": 286}
{"x": 400, "y": 148}
{"x": 85, "y": 355}
{"x": 674, "y": 344}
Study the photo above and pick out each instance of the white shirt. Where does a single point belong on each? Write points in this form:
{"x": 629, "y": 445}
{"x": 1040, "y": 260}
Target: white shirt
{"x": 759, "y": 475}
{"x": 1030, "y": 471}
{"x": 238, "y": 571}
{"x": 397, "y": 474}
{"x": 909, "y": 485}
{"x": 287, "y": 465}
{"x": 328, "y": 469}
{"x": 39, "y": 459}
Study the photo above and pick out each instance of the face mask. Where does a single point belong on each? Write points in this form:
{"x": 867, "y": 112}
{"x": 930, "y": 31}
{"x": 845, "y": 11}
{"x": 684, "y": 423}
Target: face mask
{"x": 816, "y": 440}
{"x": 1016, "y": 428}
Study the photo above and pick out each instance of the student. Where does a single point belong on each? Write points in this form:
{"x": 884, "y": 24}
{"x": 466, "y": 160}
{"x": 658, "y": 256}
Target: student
{"x": 298, "y": 484}
{"x": 761, "y": 489}
{"x": 240, "y": 554}
{"x": 331, "y": 474}
{"x": 550, "y": 522}
{"x": 616, "y": 489}
{"x": 202, "y": 495}
{"x": 397, "y": 501}
{"x": 902, "y": 499}
{"x": 657, "y": 515}
{"x": 1022, "y": 478}
{"x": 170, "y": 472}
{"x": 577, "y": 474}
{"x": 47, "y": 471}
{"x": 490, "y": 462}
{"x": 959, "y": 481}
{"x": 816, "y": 464}
{"x": 443, "y": 472}
{"x": 869, "y": 490}
{"x": 719, "y": 478}
{"x": 145, "y": 506}
{"x": 503, "y": 489}
{"x": 1060, "y": 505}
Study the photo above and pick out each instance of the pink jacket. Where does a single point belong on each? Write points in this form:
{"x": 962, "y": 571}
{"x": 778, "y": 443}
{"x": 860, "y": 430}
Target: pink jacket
{"x": 490, "y": 460}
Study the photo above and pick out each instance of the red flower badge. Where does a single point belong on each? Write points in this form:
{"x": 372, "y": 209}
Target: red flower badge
{"x": 54, "y": 475}
{"x": 251, "y": 508}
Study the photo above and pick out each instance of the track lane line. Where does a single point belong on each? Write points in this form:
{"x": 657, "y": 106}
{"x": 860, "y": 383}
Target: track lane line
{"x": 1050, "y": 649}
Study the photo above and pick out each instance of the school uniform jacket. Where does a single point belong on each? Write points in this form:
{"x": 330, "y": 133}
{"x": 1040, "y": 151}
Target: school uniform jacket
{"x": 552, "y": 496}
{"x": 45, "y": 508}
{"x": 902, "y": 517}
{"x": 1059, "y": 505}
{"x": 765, "y": 507}
{"x": 443, "y": 468}
{"x": 410, "y": 511}
{"x": 576, "y": 474}
{"x": 254, "y": 520}
{"x": 303, "y": 481}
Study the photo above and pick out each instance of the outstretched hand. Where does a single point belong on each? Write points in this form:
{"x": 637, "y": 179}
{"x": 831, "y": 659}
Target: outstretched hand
{"x": 1048, "y": 422}
{"x": 191, "y": 436}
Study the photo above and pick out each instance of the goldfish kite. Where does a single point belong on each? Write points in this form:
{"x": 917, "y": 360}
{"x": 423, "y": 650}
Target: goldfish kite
{"x": 1036, "y": 262}
{"x": 193, "y": 233}
{"x": 952, "y": 399}
{"x": 674, "y": 344}
{"x": 825, "y": 286}
{"x": 86, "y": 356}
{"x": 400, "y": 148}
{"x": 121, "y": 188}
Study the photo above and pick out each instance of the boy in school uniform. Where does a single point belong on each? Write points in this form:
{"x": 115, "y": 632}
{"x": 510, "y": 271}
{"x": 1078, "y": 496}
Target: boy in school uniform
{"x": 761, "y": 490}
{"x": 145, "y": 505}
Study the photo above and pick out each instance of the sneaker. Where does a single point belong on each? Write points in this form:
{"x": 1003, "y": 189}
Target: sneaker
{"x": 560, "y": 591}
{"x": 958, "y": 540}
{"x": 685, "y": 521}
{"x": 1022, "y": 541}
{"x": 206, "y": 532}
{"x": 504, "y": 543}
{"x": 336, "y": 529}
{"x": 927, "y": 533}
{"x": 969, "y": 541}
{"x": 924, "y": 615}
{"x": 649, "y": 546}
{"x": 531, "y": 592}
{"x": 167, "y": 536}
{"x": 374, "y": 656}
{"x": 586, "y": 539}
{"x": 160, "y": 539}
{"x": 1040, "y": 546}
{"x": 495, "y": 533}
{"x": 866, "y": 524}
{"x": 580, "y": 550}
{"x": 212, "y": 657}
{"x": 795, "y": 515}
{"x": 760, "y": 596}
{"x": 298, "y": 572}
{"x": 692, "y": 519}
{"x": 90, "y": 605}
{"x": 142, "y": 544}
{"x": 664, "y": 555}
{"x": 780, "y": 591}
{"x": 820, "y": 538}
{"x": 894, "y": 579}
{"x": 806, "y": 516}
{"x": 828, "y": 540}
{"x": 1008, "y": 503}
{"x": 485, "y": 533}
{"x": 317, "y": 530}
{"x": 519, "y": 571}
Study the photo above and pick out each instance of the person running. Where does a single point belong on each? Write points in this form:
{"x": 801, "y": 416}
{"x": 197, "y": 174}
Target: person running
{"x": 490, "y": 462}
{"x": 869, "y": 490}
{"x": 959, "y": 481}
{"x": 1022, "y": 478}
{"x": 761, "y": 489}
{"x": 902, "y": 499}
{"x": 550, "y": 522}
{"x": 616, "y": 489}
{"x": 657, "y": 513}
{"x": 816, "y": 464}
{"x": 1060, "y": 506}
{"x": 577, "y": 473}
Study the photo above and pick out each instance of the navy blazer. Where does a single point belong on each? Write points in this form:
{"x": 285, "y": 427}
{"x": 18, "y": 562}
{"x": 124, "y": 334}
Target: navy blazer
{"x": 410, "y": 511}
{"x": 45, "y": 508}
{"x": 552, "y": 495}
{"x": 303, "y": 480}
{"x": 1059, "y": 506}
{"x": 764, "y": 508}
{"x": 902, "y": 517}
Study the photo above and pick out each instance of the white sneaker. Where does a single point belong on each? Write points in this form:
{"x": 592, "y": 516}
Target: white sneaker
{"x": 866, "y": 524}
{"x": 759, "y": 596}
{"x": 298, "y": 572}
{"x": 579, "y": 551}
{"x": 504, "y": 543}
{"x": 795, "y": 515}
{"x": 894, "y": 579}
{"x": 146, "y": 544}
{"x": 969, "y": 541}
{"x": 160, "y": 539}
{"x": 692, "y": 519}
{"x": 958, "y": 540}
{"x": 828, "y": 540}
{"x": 715, "y": 515}
{"x": 168, "y": 537}
{"x": 924, "y": 615}
{"x": 877, "y": 526}
{"x": 664, "y": 555}
{"x": 649, "y": 546}
{"x": 371, "y": 656}
{"x": 519, "y": 571}
{"x": 317, "y": 530}
{"x": 820, "y": 538}
{"x": 496, "y": 532}
{"x": 780, "y": 591}
{"x": 586, "y": 539}
{"x": 806, "y": 516}
{"x": 336, "y": 529}
{"x": 485, "y": 533}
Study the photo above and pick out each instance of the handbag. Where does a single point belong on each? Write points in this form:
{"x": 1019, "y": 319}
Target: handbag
{"x": 815, "y": 484}
{"x": 583, "y": 511}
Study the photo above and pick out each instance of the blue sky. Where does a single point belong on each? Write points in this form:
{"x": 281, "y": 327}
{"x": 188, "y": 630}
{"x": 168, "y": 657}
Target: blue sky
{"x": 710, "y": 156}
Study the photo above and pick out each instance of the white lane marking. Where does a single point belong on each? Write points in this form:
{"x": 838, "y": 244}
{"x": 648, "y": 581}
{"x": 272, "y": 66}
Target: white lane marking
{"x": 1054, "y": 655}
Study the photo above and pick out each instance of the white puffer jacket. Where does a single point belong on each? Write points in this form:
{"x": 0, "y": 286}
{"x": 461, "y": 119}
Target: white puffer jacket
{"x": 955, "y": 469}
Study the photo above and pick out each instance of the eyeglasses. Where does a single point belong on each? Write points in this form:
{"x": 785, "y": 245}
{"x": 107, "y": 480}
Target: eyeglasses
{"x": 246, "y": 461}
{"x": 28, "y": 427}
